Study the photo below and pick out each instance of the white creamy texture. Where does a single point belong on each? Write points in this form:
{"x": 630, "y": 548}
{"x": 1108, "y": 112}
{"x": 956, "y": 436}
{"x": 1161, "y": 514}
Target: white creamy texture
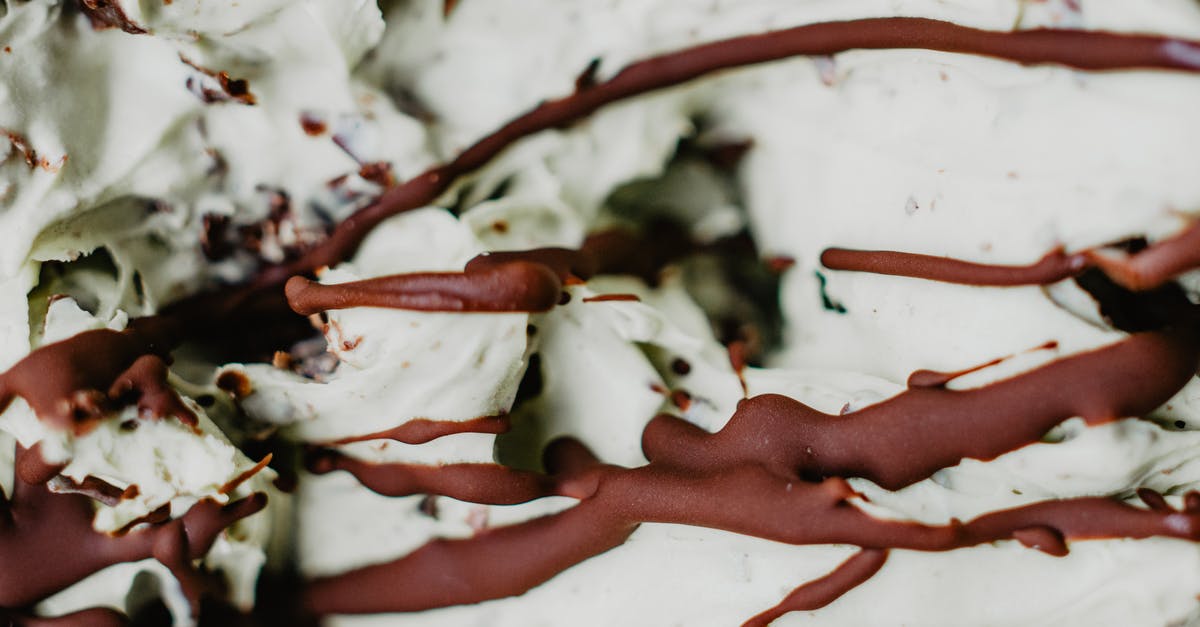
{"x": 875, "y": 137}
{"x": 889, "y": 131}
{"x": 136, "y": 139}
{"x": 398, "y": 365}
{"x": 680, "y": 576}
{"x": 940, "y": 154}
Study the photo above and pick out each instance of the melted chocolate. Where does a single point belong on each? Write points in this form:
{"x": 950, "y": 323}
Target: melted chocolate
{"x": 104, "y": 14}
{"x": 74, "y": 383}
{"x": 725, "y": 480}
{"x": 612, "y": 298}
{"x": 47, "y": 541}
{"x": 1052, "y": 268}
{"x": 472, "y": 482}
{"x": 912, "y": 435}
{"x": 512, "y": 286}
{"x": 818, "y": 593}
{"x": 422, "y": 430}
{"x": 1145, "y": 270}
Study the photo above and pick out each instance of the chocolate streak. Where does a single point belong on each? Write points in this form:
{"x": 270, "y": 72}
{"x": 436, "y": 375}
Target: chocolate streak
{"x": 74, "y": 383}
{"x": 526, "y": 280}
{"x": 47, "y": 541}
{"x": 422, "y": 430}
{"x": 511, "y": 286}
{"x": 1145, "y": 270}
{"x": 492, "y": 484}
{"x": 818, "y": 593}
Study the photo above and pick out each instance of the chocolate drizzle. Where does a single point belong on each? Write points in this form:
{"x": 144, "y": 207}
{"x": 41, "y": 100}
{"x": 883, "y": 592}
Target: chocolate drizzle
{"x": 789, "y": 490}
{"x": 472, "y": 482}
{"x": 1145, "y": 270}
{"x": 740, "y": 495}
{"x": 422, "y": 430}
{"x": 1072, "y": 48}
{"x": 818, "y": 593}
{"x": 1052, "y": 268}
{"x": 47, "y": 542}
{"x": 74, "y": 383}
{"x": 511, "y": 286}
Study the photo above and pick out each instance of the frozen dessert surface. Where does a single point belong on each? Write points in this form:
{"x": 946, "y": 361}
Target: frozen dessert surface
{"x": 633, "y": 312}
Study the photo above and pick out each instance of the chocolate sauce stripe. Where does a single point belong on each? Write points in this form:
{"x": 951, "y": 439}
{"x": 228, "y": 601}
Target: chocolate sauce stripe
{"x": 47, "y": 542}
{"x": 67, "y": 383}
{"x": 485, "y": 483}
{"x": 423, "y": 430}
{"x": 1145, "y": 270}
{"x": 818, "y": 593}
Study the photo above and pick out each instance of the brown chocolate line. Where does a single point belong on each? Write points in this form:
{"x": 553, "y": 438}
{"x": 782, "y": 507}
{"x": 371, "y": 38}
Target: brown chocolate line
{"x": 1079, "y": 49}
{"x": 93, "y": 617}
{"x": 1052, "y": 268}
{"x": 47, "y": 541}
{"x": 422, "y": 430}
{"x": 818, "y": 593}
{"x": 937, "y": 379}
{"x": 613, "y": 298}
{"x": 511, "y": 286}
{"x": 490, "y": 484}
{"x": 1145, "y": 270}
{"x": 910, "y": 436}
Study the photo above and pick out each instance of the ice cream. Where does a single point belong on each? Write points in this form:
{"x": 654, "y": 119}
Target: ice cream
{"x": 522, "y": 394}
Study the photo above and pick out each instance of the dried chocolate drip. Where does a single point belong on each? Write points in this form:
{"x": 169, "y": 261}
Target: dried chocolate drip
{"x": 1143, "y": 271}
{"x": 47, "y": 541}
{"x": 818, "y": 593}
{"x": 94, "y": 488}
{"x": 935, "y": 379}
{"x": 612, "y": 298}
